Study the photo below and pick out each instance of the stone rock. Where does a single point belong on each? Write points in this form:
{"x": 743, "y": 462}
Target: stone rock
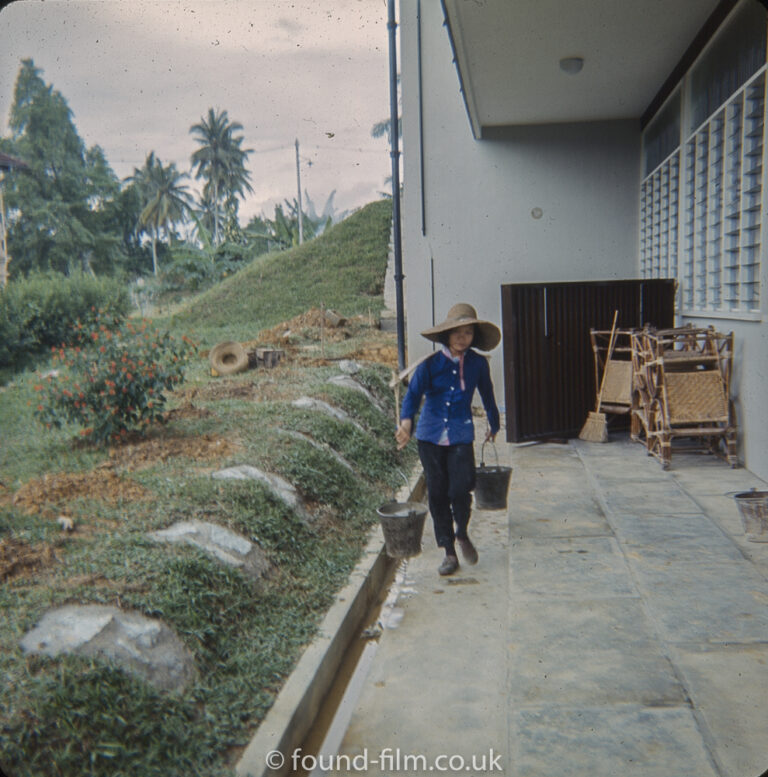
{"x": 308, "y": 403}
{"x": 320, "y": 446}
{"x": 227, "y": 547}
{"x": 347, "y": 381}
{"x": 142, "y": 646}
{"x": 349, "y": 367}
{"x": 281, "y": 487}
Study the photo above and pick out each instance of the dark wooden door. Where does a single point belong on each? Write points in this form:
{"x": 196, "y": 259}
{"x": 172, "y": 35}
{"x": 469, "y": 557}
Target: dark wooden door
{"x": 549, "y": 376}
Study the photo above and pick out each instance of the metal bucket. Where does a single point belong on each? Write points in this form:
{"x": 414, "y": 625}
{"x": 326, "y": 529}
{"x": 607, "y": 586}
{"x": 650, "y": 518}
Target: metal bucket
{"x": 403, "y": 526}
{"x": 753, "y": 506}
{"x": 491, "y": 484}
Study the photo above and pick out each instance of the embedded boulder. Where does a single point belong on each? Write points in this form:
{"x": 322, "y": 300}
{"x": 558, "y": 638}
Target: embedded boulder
{"x": 319, "y": 446}
{"x": 308, "y": 403}
{"x": 225, "y": 546}
{"x": 143, "y": 646}
{"x": 349, "y": 367}
{"x": 347, "y": 381}
{"x": 281, "y": 487}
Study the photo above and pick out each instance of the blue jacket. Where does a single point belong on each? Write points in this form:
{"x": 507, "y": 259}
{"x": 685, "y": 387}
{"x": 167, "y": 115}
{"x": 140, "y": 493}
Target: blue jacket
{"x": 448, "y": 407}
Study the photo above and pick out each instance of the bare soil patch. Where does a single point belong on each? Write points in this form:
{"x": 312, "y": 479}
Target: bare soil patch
{"x": 188, "y": 410}
{"x": 144, "y": 453}
{"x": 311, "y": 324}
{"x": 21, "y": 560}
{"x": 222, "y": 388}
{"x": 383, "y": 354}
{"x": 49, "y": 494}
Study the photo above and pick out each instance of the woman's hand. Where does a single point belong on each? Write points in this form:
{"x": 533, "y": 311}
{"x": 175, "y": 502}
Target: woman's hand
{"x": 403, "y": 433}
{"x": 490, "y": 437}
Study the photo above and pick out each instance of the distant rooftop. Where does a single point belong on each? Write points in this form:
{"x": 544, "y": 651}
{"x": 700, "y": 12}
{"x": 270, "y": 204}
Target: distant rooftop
{"x": 8, "y": 162}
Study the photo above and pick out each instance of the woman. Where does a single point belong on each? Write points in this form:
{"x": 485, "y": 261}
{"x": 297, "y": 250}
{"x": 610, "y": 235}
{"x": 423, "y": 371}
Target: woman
{"x": 445, "y": 433}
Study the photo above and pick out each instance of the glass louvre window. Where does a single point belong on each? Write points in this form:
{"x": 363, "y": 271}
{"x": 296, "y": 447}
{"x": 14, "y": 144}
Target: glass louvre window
{"x": 723, "y": 200}
{"x": 710, "y": 187}
{"x": 751, "y": 191}
{"x": 658, "y": 220}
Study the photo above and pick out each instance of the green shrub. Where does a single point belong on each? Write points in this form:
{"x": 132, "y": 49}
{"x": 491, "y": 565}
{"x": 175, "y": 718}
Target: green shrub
{"x": 39, "y": 312}
{"x": 113, "y": 378}
{"x": 190, "y": 270}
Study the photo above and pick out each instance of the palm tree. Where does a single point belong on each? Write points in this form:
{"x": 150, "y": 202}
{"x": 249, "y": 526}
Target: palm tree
{"x": 220, "y": 160}
{"x": 164, "y": 197}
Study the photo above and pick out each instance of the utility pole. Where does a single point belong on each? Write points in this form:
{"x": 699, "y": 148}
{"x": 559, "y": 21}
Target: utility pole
{"x": 298, "y": 186}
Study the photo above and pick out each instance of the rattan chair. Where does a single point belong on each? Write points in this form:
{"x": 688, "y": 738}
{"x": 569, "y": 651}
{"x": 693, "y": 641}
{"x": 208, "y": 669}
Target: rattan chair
{"x": 617, "y": 367}
{"x": 681, "y": 389}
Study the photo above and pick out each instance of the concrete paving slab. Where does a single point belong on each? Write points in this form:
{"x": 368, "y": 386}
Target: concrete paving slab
{"x": 724, "y": 510}
{"x": 554, "y": 505}
{"x": 588, "y": 652}
{"x": 631, "y": 741}
{"x": 679, "y": 539}
{"x": 614, "y": 467}
{"x": 580, "y": 567}
{"x": 756, "y": 553}
{"x": 616, "y": 442}
{"x": 636, "y": 497}
{"x": 729, "y": 686}
{"x": 708, "y": 475}
{"x": 726, "y": 602}
{"x": 561, "y": 520}
{"x": 543, "y": 456}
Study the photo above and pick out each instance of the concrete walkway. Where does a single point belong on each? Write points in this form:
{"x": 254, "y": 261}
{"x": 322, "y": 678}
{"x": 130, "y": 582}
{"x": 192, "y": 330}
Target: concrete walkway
{"x": 617, "y": 624}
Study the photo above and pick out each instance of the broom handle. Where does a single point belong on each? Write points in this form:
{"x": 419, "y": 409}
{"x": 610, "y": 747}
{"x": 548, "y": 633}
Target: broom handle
{"x": 607, "y": 359}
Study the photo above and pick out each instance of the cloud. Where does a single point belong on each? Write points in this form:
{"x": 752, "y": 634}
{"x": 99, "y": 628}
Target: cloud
{"x": 138, "y": 74}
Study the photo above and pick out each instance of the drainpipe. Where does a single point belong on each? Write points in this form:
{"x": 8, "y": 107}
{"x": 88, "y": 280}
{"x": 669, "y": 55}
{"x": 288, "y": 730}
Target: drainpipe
{"x": 395, "y": 155}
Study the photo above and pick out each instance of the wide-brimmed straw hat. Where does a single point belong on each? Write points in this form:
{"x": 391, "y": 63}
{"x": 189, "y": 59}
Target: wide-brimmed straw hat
{"x": 487, "y": 335}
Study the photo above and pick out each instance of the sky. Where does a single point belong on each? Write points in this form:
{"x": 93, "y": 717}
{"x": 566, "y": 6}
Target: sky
{"x": 137, "y": 75}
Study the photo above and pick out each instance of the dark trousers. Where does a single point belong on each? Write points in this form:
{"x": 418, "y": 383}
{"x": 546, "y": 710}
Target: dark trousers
{"x": 450, "y": 474}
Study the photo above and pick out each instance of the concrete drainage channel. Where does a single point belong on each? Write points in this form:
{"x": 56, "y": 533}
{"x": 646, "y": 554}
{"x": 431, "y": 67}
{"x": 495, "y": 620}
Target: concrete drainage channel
{"x": 311, "y": 712}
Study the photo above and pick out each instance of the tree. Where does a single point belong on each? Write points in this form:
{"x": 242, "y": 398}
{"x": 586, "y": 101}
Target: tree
{"x": 282, "y": 231}
{"x": 329, "y": 215}
{"x": 164, "y": 198}
{"x": 61, "y": 207}
{"x": 383, "y": 128}
{"x": 220, "y": 161}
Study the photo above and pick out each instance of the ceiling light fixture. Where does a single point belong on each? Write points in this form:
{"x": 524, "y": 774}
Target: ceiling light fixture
{"x": 571, "y": 65}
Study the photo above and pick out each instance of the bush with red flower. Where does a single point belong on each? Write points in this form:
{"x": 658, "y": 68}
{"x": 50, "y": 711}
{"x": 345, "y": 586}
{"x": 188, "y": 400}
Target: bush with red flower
{"x": 113, "y": 378}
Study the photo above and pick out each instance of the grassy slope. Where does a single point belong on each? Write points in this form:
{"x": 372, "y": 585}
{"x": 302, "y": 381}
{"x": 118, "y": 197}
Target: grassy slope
{"x": 342, "y": 269}
{"x": 70, "y": 716}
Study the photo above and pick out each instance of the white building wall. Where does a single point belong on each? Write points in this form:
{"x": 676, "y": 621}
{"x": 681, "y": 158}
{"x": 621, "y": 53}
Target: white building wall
{"x": 479, "y": 229}
{"x": 532, "y": 204}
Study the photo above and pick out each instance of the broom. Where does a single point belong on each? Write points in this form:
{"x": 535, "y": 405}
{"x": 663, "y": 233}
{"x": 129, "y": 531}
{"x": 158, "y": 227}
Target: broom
{"x": 596, "y": 427}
